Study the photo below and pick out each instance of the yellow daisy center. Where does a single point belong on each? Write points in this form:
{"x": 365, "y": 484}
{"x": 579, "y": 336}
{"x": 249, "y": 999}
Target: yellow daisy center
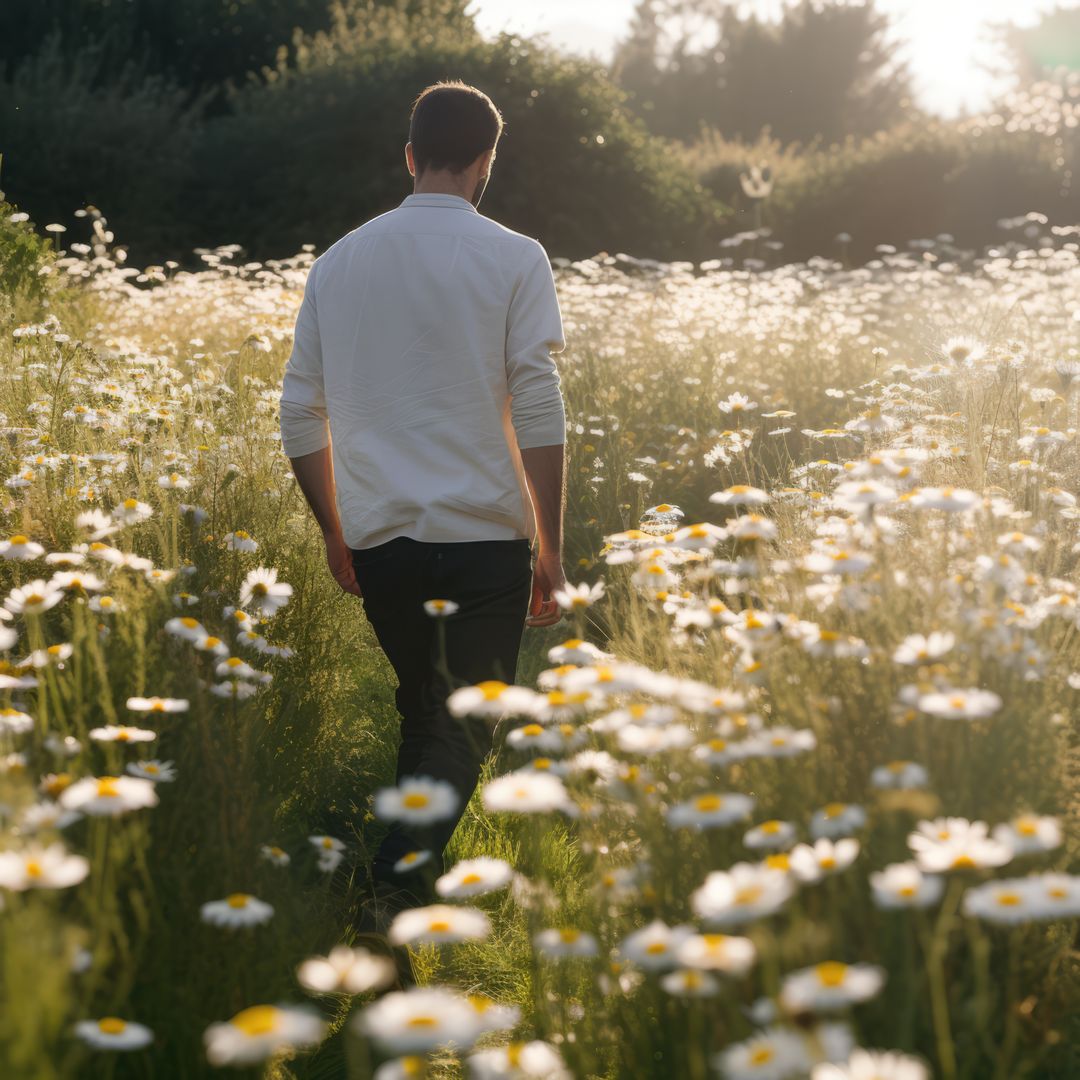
{"x": 832, "y": 973}
{"x": 111, "y": 1025}
{"x": 258, "y": 1020}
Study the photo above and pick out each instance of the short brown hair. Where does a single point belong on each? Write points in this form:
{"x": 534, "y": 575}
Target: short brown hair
{"x": 451, "y": 125}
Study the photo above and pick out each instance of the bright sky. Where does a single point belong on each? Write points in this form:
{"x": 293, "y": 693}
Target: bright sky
{"x": 944, "y": 40}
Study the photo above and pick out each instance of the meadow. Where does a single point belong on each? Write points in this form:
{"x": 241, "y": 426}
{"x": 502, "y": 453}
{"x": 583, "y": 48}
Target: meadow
{"x": 792, "y": 791}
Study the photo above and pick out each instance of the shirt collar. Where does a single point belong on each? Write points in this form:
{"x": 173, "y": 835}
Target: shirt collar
{"x": 439, "y": 198}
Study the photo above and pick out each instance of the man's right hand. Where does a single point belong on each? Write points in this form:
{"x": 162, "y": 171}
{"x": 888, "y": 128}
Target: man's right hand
{"x": 339, "y": 559}
{"x": 548, "y": 576}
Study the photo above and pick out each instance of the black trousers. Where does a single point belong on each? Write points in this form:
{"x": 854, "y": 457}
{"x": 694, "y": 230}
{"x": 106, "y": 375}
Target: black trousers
{"x": 491, "y": 582}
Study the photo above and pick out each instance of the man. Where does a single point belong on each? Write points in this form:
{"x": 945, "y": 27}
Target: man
{"x": 421, "y": 381}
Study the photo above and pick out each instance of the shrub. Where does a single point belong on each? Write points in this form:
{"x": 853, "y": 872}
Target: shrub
{"x": 911, "y": 181}
{"x": 69, "y": 139}
{"x": 314, "y": 149}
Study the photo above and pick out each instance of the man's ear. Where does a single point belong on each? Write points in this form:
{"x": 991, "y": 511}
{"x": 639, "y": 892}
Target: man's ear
{"x": 409, "y": 159}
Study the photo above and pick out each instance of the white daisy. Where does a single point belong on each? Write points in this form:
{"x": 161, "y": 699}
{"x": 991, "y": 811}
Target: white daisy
{"x": 236, "y": 910}
{"x": 256, "y": 1033}
{"x": 438, "y": 924}
{"x": 108, "y": 795}
{"x": 346, "y": 971}
{"x": 419, "y": 800}
{"x": 474, "y": 877}
{"x": 112, "y": 1033}
{"x": 37, "y": 867}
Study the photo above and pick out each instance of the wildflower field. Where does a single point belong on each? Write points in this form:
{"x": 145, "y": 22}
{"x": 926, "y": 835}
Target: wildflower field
{"x": 792, "y": 791}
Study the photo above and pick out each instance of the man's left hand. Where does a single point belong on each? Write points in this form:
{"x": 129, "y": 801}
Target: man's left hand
{"x": 339, "y": 559}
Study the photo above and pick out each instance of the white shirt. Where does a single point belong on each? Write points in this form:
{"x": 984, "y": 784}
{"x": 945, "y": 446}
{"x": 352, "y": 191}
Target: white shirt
{"x": 422, "y": 355}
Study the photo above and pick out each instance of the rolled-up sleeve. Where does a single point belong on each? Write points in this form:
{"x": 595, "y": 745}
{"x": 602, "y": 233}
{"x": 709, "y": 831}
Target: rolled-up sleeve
{"x": 303, "y": 417}
{"x": 534, "y": 331}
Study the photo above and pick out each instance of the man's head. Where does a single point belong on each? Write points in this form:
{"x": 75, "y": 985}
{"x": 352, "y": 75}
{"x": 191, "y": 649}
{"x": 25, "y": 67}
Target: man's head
{"x": 452, "y": 136}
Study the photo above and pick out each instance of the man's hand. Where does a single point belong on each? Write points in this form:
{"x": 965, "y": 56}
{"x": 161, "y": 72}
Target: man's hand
{"x": 548, "y": 576}
{"x": 339, "y": 559}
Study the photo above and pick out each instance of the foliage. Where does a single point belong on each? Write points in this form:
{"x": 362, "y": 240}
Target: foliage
{"x": 928, "y": 377}
{"x": 71, "y": 138}
{"x": 915, "y": 180}
{"x": 322, "y": 142}
{"x": 819, "y": 69}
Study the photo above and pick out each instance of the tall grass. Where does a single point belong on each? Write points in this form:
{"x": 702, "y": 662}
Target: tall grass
{"x": 913, "y": 373}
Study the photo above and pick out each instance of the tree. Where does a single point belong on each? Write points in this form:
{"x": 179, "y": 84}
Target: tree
{"x": 1040, "y": 52}
{"x": 823, "y": 68}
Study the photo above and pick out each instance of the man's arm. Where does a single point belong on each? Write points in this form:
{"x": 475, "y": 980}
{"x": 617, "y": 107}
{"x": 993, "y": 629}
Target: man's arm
{"x": 533, "y": 333}
{"x": 315, "y": 474}
{"x": 546, "y": 473}
{"x": 305, "y": 435}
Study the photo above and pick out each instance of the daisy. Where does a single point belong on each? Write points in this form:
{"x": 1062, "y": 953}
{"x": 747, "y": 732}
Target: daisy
{"x": 346, "y": 971}
{"x": 326, "y": 845}
{"x": 949, "y": 499}
{"x": 1029, "y": 834}
{"x": 904, "y": 885}
{"x": 274, "y": 855}
{"x": 118, "y": 733}
{"x": 740, "y": 895}
{"x": 774, "y": 835}
{"x": 236, "y": 910}
{"x": 260, "y": 1031}
{"x": 1055, "y": 896}
{"x": 654, "y": 947}
{"x": 740, "y": 495}
{"x": 418, "y": 1020}
{"x": 566, "y": 941}
{"x": 235, "y": 668}
{"x": 77, "y": 581}
{"x": 717, "y": 952}
{"x": 903, "y": 775}
{"x": 419, "y": 800}
{"x": 690, "y": 983}
{"x": 440, "y": 608}
{"x": 577, "y": 651}
{"x": 262, "y": 592}
{"x": 781, "y": 742}
{"x": 873, "y": 1065}
{"x": 131, "y": 512}
{"x": 492, "y": 698}
{"x": 526, "y": 792}
{"x": 438, "y": 924}
{"x": 810, "y": 863}
{"x": 108, "y": 795}
{"x": 186, "y": 627}
{"x": 173, "y": 482}
{"x": 573, "y": 597}
{"x": 710, "y": 810}
{"x": 773, "y": 1054}
{"x": 33, "y": 599}
{"x": 15, "y": 722}
{"x": 917, "y": 649}
{"x": 96, "y": 523}
{"x": 474, "y": 877}
{"x": 736, "y": 403}
{"x": 831, "y": 985}
{"x": 162, "y": 772}
{"x": 518, "y": 1061}
{"x": 239, "y": 541}
{"x": 837, "y": 819}
{"x": 973, "y": 704}
{"x": 20, "y": 549}
{"x": 38, "y": 867}
{"x": 157, "y": 704}
{"x": 956, "y": 844}
{"x": 211, "y": 644}
{"x": 411, "y": 860}
{"x": 112, "y": 1033}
